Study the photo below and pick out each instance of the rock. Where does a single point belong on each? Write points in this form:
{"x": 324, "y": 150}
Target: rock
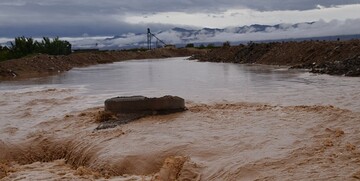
{"x": 127, "y": 109}
{"x": 348, "y": 67}
{"x": 134, "y": 104}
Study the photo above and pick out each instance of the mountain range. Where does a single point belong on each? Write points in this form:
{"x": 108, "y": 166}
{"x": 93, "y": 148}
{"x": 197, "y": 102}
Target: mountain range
{"x": 317, "y": 30}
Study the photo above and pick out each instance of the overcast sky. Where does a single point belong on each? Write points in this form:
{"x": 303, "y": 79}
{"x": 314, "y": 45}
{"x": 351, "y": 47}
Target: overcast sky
{"x": 75, "y": 18}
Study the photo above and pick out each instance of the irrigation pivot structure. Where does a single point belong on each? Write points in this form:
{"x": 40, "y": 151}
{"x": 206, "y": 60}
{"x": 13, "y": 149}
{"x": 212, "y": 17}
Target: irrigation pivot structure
{"x": 150, "y": 36}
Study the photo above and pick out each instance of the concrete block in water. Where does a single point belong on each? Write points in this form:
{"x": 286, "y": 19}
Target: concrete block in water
{"x": 136, "y": 104}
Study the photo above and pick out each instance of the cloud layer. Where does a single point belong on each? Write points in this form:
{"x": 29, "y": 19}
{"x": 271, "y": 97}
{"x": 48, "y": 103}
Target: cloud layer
{"x": 240, "y": 17}
{"x": 234, "y": 34}
{"x": 113, "y": 17}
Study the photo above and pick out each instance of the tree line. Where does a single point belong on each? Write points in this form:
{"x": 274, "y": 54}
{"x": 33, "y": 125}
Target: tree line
{"x": 23, "y": 46}
{"x": 209, "y": 46}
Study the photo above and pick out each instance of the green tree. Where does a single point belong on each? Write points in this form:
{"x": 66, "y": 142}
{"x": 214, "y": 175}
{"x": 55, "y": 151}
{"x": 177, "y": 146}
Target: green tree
{"x": 210, "y": 45}
{"x": 4, "y": 53}
{"x": 189, "y": 45}
{"x": 226, "y": 44}
{"x": 54, "y": 47}
{"x": 23, "y": 46}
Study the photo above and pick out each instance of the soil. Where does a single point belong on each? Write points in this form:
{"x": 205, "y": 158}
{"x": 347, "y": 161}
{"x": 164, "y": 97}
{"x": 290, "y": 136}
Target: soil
{"x": 329, "y": 57}
{"x": 42, "y": 65}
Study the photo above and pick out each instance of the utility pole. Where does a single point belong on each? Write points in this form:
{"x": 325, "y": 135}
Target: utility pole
{"x": 149, "y": 35}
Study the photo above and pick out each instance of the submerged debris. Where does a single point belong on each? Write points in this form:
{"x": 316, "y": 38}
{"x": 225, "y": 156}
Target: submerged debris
{"x": 119, "y": 119}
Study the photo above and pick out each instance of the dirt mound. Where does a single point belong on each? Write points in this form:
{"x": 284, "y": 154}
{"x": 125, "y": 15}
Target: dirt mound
{"x": 42, "y": 65}
{"x": 330, "y": 57}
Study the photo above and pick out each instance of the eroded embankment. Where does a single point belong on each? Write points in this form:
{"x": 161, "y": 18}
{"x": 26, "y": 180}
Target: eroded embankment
{"x": 42, "y": 65}
{"x": 329, "y": 57}
{"x": 239, "y": 141}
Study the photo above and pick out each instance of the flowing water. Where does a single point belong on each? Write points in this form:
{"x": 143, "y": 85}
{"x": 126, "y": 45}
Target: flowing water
{"x": 204, "y": 82}
{"x": 245, "y": 122}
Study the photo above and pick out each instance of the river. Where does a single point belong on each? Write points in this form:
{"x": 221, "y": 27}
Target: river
{"x": 203, "y": 82}
{"x": 245, "y": 122}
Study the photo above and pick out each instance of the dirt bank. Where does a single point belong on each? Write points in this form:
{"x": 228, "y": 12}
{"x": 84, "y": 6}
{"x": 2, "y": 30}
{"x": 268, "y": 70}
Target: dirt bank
{"x": 42, "y": 65}
{"x": 335, "y": 57}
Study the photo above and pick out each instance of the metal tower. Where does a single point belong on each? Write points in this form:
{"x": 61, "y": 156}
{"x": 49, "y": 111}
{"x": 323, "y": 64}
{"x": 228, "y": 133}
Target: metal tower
{"x": 149, "y": 37}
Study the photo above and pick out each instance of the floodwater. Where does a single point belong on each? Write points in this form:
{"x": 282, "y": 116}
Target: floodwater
{"x": 204, "y": 82}
{"x": 245, "y": 122}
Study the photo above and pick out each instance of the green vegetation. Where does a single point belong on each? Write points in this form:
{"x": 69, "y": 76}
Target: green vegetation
{"x": 141, "y": 49}
{"x": 4, "y": 53}
{"x": 226, "y": 44}
{"x": 23, "y": 46}
{"x": 189, "y": 45}
{"x": 210, "y": 45}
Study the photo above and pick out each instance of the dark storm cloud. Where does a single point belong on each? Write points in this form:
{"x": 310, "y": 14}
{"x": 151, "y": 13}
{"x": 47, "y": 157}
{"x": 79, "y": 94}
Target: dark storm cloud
{"x": 77, "y": 29}
{"x": 65, "y": 18}
{"x": 105, "y": 17}
{"x": 146, "y": 6}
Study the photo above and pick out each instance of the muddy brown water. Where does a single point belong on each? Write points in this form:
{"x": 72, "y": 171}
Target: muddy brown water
{"x": 245, "y": 122}
{"x": 203, "y": 82}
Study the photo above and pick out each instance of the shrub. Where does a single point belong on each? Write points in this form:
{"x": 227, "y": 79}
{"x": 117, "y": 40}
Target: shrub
{"x": 3, "y": 52}
{"x": 189, "y": 45}
{"x": 54, "y": 47}
{"x": 23, "y": 46}
{"x": 210, "y": 45}
{"x": 226, "y": 44}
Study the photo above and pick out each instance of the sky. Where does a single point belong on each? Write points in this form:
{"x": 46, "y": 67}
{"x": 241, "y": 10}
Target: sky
{"x": 91, "y": 18}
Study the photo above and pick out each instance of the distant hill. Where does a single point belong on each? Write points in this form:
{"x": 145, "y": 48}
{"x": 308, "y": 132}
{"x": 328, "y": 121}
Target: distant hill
{"x": 318, "y": 30}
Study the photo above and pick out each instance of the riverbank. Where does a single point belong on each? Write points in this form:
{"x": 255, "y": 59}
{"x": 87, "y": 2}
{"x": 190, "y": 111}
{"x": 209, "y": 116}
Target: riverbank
{"x": 327, "y": 57}
{"x": 43, "y": 65}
